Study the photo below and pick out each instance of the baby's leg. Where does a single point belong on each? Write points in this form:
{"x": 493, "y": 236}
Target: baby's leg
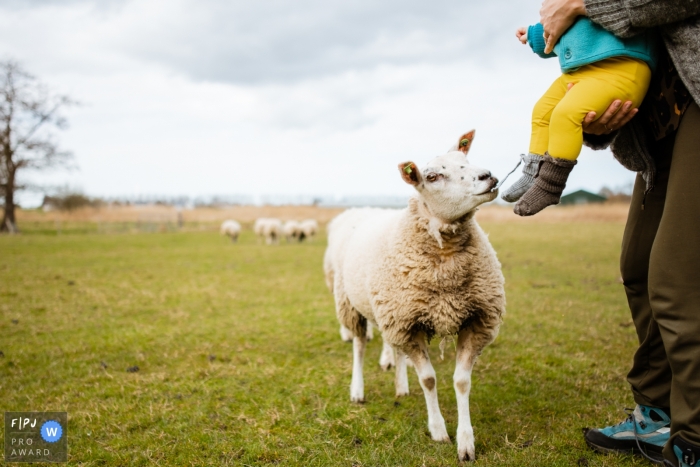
{"x": 595, "y": 87}
{"x": 542, "y": 113}
{"x": 594, "y": 90}
{"x": 539, "y": 140}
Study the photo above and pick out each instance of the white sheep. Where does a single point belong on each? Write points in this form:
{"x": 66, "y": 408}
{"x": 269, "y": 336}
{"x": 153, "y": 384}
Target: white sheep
{"x": 291, "y": 231}
{"x": 308, "y": 229}
{"x": 231, "y": 229}
{"x": 269, "y": 229}
{"x": 421, "y": 272}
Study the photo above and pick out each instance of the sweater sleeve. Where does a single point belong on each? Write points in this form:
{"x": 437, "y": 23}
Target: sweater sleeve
{"x": 598, "y": 142}
{"x": 535, "y": 39}
{"x": 625, "y": 18}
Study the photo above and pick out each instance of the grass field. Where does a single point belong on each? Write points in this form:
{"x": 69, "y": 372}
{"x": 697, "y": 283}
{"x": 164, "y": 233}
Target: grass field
{"x": 240, "y": 362}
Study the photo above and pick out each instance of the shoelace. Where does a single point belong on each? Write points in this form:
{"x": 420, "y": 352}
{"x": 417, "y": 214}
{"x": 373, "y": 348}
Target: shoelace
{"x": 498, "y": 185}
{"x": 630, "y": 413}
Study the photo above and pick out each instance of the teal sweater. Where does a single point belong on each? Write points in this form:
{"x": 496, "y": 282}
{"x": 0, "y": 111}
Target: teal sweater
{"x": 585, "y": 42}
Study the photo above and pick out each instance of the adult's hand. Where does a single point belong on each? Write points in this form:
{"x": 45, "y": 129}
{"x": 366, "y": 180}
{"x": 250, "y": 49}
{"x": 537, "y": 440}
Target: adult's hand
{"x": 612, "y": 119}
{"x": 556, "y": 17}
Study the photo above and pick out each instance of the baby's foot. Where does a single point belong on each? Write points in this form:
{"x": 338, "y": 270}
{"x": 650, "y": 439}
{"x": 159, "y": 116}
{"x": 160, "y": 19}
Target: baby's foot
{"x": 549, "y": 184}
{"x": 518, "y": 189}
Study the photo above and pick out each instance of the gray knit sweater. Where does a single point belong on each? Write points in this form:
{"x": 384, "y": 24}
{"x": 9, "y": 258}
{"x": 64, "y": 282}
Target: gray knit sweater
{"x": 678, "y": 22}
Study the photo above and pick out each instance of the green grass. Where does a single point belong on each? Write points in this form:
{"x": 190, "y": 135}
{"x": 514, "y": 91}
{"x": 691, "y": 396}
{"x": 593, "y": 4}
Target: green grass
{"x": 241, "y": 363}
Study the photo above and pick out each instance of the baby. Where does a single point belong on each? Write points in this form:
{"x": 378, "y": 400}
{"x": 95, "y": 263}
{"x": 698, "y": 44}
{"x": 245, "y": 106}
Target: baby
{"x": 603, "y": 67}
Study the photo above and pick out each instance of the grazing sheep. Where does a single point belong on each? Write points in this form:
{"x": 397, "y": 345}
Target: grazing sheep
{"x": 291, "y": 231}
{"x": 269, "y": 229}
{"x": 308, "y": 228}
{"x": 421, "y": 272}
{"x": 232, "y": 229}
{"x": 258, "y": 226}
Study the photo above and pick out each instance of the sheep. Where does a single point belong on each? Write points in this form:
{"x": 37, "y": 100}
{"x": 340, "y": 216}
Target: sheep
{"x": 232, "y": 229}
{"x": 258, "y": 226}
{"x": 269, "y": 229}
{"x": 291, "y": 231}
{"x": 308, "y": 229}
{"x": 421, "y": 272}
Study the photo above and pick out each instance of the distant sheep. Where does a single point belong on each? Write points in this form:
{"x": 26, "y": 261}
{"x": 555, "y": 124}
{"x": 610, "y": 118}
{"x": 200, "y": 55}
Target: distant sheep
{"x": 269, "y": 229}
{"x": 232, "y": 229}
{"x": 291, "y": 231}
{"x": 308, "y": 229}
{"x": 422, "y": 272}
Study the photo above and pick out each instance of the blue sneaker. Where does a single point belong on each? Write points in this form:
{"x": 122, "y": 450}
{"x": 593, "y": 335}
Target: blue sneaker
{"x": 644, "y": 432}
{"x": 688, "y": 454}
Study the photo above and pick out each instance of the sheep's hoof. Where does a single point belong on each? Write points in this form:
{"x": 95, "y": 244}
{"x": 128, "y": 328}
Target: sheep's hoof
{"x": 465, "y": 444}
{"x": 438, "y": 432}
{"x": 386, "y": 366}
{"x": 402, "y": 393}
{"x": 357, "y": 400}
{"x": 441, "y": 438}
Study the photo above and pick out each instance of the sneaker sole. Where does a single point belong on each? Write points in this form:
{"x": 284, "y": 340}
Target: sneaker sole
{"x": 621, "y": 446}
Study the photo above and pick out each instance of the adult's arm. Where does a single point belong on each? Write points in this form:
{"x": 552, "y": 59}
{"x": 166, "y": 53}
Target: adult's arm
{"x": 626, "y": 18}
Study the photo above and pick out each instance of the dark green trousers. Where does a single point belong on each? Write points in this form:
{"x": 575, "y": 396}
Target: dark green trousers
{"x": 660, "y": 266}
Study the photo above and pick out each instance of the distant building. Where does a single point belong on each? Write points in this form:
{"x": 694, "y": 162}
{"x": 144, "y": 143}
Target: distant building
{"x": 582, "y": 197}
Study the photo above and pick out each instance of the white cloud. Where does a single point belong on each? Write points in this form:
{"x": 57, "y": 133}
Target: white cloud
{"x": 207, "y": 97}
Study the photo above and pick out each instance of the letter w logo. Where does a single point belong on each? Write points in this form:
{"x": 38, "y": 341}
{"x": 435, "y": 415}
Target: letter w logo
{"x": 52, "y": 431}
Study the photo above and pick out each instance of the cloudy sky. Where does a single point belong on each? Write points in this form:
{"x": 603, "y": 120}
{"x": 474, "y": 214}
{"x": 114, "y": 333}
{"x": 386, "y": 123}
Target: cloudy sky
{"x": 318, "y": 97}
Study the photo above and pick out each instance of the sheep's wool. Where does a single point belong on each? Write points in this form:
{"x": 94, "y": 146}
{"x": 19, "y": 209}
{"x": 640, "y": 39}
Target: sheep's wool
{"x": 387, "y": 266}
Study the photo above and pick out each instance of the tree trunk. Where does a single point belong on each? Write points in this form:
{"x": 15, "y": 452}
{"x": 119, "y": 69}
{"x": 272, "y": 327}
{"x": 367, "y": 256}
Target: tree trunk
{"x": 9, "y": 223}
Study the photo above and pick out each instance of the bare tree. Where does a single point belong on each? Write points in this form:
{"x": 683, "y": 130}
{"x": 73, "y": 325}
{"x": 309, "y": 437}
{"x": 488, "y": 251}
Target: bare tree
{"x": 29, "y": 114}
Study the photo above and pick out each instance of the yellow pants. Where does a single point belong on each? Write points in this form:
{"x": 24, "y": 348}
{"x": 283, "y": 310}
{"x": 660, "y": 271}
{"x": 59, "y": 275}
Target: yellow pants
{"x": 558, "y": 116}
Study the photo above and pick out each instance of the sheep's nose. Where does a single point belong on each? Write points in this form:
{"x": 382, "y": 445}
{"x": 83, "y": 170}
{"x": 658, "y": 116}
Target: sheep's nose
{"x": 484, "y": 176}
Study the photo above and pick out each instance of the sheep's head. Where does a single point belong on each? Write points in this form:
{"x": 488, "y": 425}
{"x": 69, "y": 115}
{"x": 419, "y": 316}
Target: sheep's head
{"x": 449, "y": 185}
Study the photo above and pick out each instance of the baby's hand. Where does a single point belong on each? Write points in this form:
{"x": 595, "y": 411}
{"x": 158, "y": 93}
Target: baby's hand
{"x": 521, "y": 34}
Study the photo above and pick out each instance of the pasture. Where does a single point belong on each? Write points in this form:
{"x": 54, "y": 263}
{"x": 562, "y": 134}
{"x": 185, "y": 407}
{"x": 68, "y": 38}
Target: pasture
{"x": 240, "y": 361}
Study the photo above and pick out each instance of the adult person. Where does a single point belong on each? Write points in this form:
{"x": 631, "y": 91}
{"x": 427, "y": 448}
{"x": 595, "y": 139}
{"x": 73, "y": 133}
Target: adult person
{"x": 660, "y": 261}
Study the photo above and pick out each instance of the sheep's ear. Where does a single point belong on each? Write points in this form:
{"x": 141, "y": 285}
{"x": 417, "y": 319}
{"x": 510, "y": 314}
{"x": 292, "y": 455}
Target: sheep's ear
{"x": 464, "y": 142}
{"x": 409, "y": 173}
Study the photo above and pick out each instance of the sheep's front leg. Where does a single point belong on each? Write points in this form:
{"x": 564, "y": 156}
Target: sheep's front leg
{"x": 417, "y": 351}
{"x": 469, "y": 346}
{"x": 357, "y": 387}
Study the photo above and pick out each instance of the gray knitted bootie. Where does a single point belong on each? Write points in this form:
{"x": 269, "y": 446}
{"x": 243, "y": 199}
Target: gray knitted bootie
{"x": 549, "y": 183}
{"x": 532, "y": 165}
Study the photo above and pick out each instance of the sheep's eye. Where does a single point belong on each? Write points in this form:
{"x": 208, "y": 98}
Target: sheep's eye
{"x": 432, "y": 177}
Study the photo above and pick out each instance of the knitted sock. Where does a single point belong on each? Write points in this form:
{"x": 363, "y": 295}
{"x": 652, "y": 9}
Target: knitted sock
{"x": 532, "y": 165}
{"x": 549, "y": 183}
